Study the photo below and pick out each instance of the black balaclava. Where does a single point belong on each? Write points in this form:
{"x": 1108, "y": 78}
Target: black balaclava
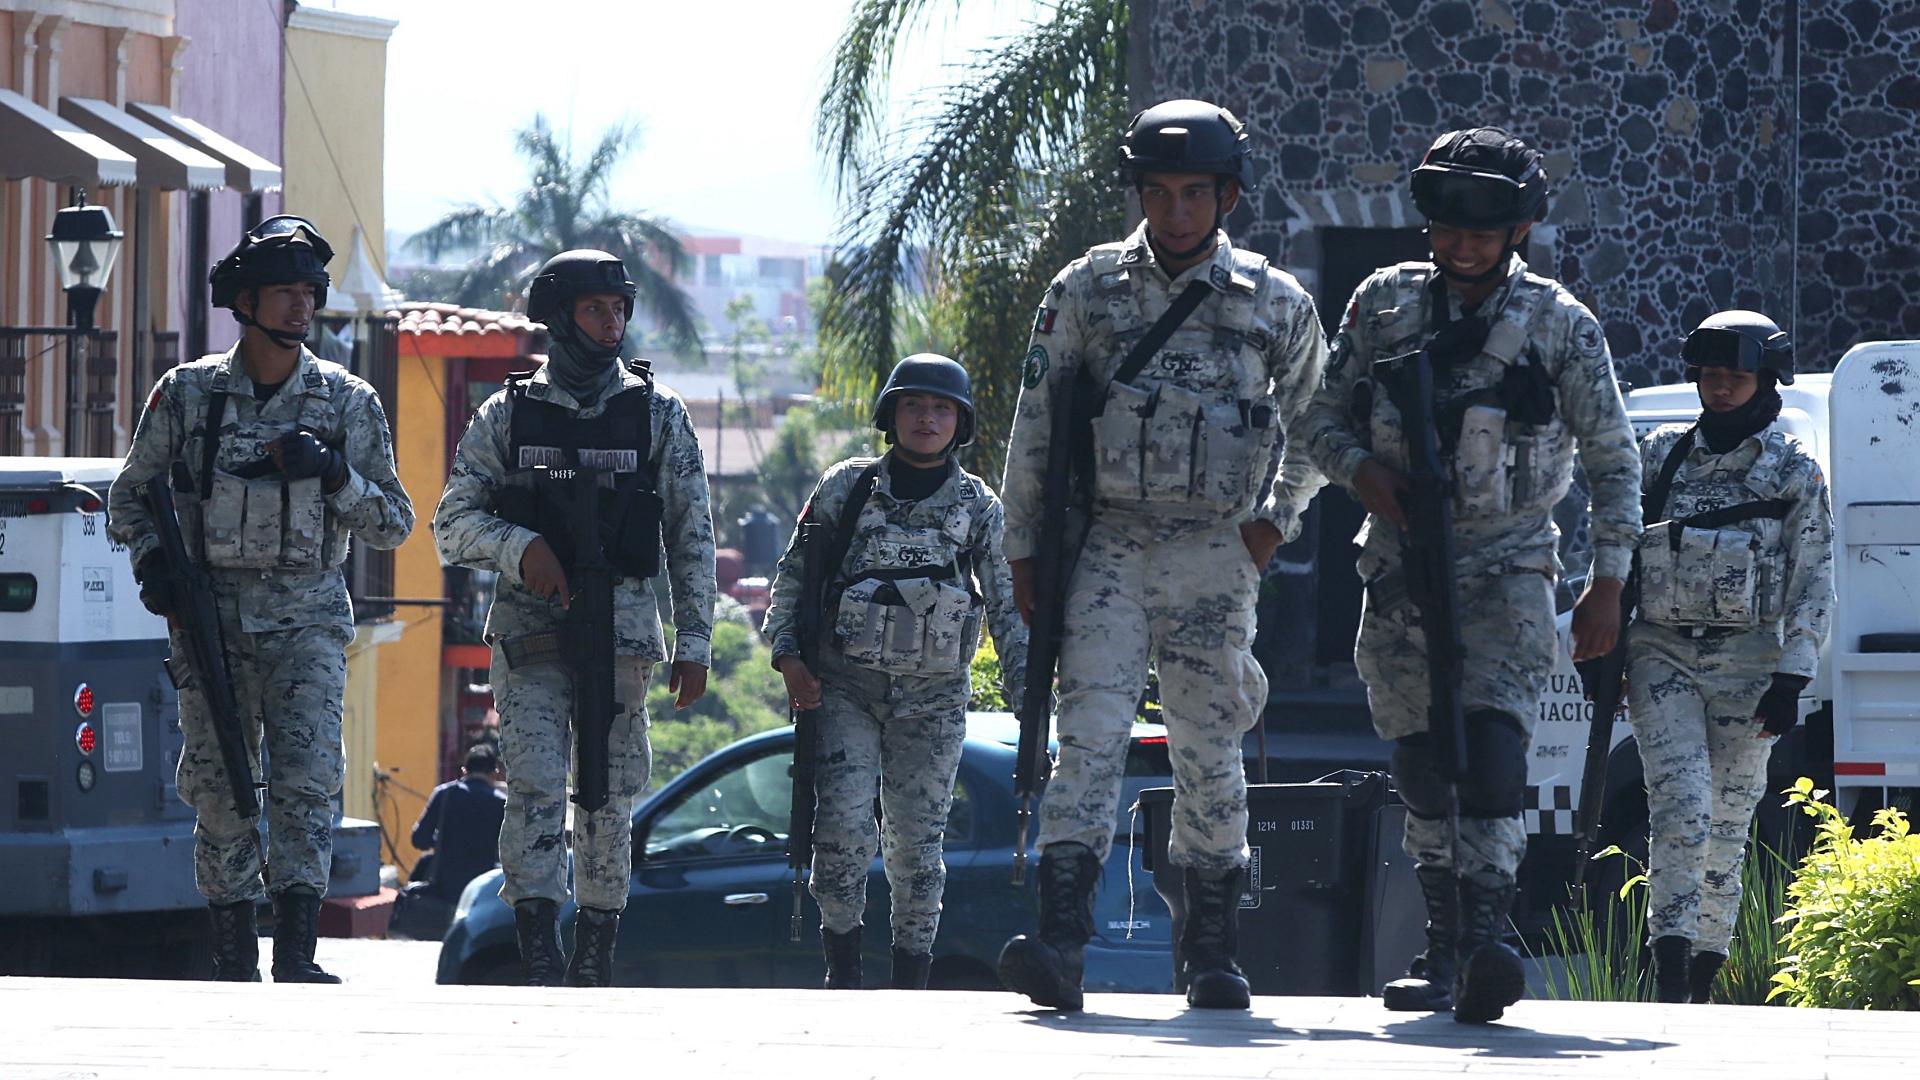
{"x": 1725, "y": 430}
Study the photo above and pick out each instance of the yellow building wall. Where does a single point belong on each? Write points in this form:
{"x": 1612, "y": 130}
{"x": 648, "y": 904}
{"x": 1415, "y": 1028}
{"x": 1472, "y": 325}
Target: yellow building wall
{"x": 335, "y": 135}
{"x": 409, "y": 669}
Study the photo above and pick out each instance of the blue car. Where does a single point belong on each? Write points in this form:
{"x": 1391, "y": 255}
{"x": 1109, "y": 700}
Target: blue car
{"x": 711, "y": 898}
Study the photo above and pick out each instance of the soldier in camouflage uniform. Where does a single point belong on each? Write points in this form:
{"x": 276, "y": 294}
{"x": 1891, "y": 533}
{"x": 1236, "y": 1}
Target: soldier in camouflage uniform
{"x": 300, "y": 459}
{"x": 905, "y": 605}
{"x": 1523, "y": 381}
{"x": 1736, "y": 590}
{"x": 583, "y": 408}
{"x": 1193, "y": 488}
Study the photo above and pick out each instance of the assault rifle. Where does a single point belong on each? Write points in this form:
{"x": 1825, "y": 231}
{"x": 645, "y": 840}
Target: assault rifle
{"x": 583, "y": 642}
{"x": 823, "y": 549}
{"x": 1063, "y": 511}
{"x": 198, "y": 621}
{"x": 1603, "y": 679}
{"x": 1427, "y": 550}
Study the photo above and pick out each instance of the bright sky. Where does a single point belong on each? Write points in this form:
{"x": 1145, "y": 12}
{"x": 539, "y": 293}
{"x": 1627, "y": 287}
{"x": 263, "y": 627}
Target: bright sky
{"x": 723, "y": 92}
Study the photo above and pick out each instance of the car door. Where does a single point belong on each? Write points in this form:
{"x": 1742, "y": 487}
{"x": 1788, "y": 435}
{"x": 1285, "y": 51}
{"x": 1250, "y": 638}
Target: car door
{"x": 711, "y": 894}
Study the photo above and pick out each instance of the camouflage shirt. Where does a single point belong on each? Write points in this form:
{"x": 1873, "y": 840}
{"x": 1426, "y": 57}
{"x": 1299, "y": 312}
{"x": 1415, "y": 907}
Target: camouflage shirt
{"x": 1503, "y": 515}
{"x": 1246, "y": 360}
{"x": 340, "y": 408}
{"x": 470, "y": 532}
{"x": 964, "y": 508}
{"x": 1792, "y": 579}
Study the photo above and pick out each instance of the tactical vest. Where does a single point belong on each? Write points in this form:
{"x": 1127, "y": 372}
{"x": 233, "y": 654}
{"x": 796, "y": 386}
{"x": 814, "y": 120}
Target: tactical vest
{"x": 1495, "y": 412}
{"x": 910, "y": 608}
{"x": 1723, "y": 567}
{"x": 252, "y": 518}
{"x": 547, "y": 438}
{"x": 1187, "y": 447}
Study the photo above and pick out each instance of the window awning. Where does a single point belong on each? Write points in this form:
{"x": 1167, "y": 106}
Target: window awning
{"x": 42, "y": 145}
{"x": 246, "y": 170}
{"x": 164, "y": 161}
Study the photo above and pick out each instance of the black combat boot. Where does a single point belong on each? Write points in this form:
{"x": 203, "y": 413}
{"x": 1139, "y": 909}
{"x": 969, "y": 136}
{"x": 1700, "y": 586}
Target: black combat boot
{"x": 1428, "y": 986}
{"x": 1210, "y": 939}
{"x": 236, "y": 942}
{"x": 1672, "y": 954}
{"x": 296, "y": 930}
{"x": 1491, "y": 976}
{"x": 1706, "y": 967}
{"x": 593, "y": 933}
{"x": 910, "y": 969}
{"x": 1047, "y": 966}
{"x": 536, "y": 922}
{"x": 843, "y": 958}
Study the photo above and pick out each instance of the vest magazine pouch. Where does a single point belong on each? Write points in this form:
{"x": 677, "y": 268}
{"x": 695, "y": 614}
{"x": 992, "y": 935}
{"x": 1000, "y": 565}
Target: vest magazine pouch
{"x": 243, "y": 521}
{"x": 952, "y": 627}
{"x": 1172, "y": 461}
{"x": 909, "y": 625}
{"x": 1656, "y": 571}
{"x": 1119, "y": 432}
{"x": 305, "y": 542}
{"x": 632, "y": 542}
{"x": 860, "y": 623}
{"x": 1481, "y": 462}
{"x": 1232, "y": 436}
{"x": 1733, "y": 581}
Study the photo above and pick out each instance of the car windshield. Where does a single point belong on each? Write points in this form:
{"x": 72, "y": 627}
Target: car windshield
{"x": 744, "y": 809}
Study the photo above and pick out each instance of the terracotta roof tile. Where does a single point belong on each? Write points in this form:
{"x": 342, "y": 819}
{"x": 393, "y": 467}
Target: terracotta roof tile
{"x": 423, "y": 317}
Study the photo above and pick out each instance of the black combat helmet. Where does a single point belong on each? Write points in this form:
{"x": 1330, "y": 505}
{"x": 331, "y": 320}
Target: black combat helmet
{"x": 1187, "y": 136}
{"x": 282, "y": 250}
{"x": 1741, "y": 340}
{"x": 571, "y": 274}
{"x": 1481, "y": 178}
{"x": 928, "y": 373}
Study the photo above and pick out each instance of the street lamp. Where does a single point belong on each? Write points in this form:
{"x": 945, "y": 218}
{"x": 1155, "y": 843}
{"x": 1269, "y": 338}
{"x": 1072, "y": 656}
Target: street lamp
{"x": 85, "y": 245}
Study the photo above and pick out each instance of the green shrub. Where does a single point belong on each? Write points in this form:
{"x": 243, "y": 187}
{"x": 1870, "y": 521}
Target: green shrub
{"x": 1754, "y": 955}
{"x": 1599, "y": 941}
{"x": 1853, "y": 916}
{"x": 745, "y": 695}
{"x": 983, "y": 678}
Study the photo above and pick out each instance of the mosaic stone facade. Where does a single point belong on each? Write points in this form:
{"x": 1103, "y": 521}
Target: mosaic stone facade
{"x": 1683, "y": 183}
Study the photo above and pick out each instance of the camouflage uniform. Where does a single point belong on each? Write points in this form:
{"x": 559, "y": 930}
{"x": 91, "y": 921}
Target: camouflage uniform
{"x": 1716, "y": 620}
{"x": 1187, "y": 453}
{"x": 1508, "y": 476}
{"x": 536, "y": 702}
{"x": 285, "y": 618}
{"x": 897, "y": 717}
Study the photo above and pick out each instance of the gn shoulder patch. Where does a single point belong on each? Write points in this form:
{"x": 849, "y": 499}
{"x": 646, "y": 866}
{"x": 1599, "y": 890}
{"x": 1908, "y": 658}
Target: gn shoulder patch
{"x": 1035, "y": 367}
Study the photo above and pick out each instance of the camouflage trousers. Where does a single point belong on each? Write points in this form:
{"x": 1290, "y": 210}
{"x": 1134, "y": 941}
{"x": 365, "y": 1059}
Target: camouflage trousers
{"x": 900, "y": 735}
{"x": 1691, "y": 703}
{"x": 535, "y": 703}
{"x": 1188, "y": 603}
{"x": 289, "y": 684}
{"x": 1507, "y": 627}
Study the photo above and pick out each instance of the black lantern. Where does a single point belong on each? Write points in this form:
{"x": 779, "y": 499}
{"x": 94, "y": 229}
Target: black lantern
{"x": 85, "y": 245}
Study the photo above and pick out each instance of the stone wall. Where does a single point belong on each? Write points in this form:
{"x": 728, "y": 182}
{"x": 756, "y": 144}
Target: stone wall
{"x": 1669, "y": 129}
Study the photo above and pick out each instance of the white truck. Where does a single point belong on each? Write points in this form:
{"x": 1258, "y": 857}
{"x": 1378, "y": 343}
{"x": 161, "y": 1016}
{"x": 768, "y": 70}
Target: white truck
{"x": 1861, "y": 735}
{"x": 96, "y": 848}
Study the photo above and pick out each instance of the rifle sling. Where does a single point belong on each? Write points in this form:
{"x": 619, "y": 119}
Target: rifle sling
{"x": 1162, "y": 329}
{"x": 841, "y": 541}
{"x": 210, "y": 441}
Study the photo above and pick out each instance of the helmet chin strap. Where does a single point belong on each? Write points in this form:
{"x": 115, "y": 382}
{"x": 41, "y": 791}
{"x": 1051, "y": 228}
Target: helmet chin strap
{"x": 280, "y": 337}
{"x": 1498, "y": 269}
{"x": 1219, "y": 219}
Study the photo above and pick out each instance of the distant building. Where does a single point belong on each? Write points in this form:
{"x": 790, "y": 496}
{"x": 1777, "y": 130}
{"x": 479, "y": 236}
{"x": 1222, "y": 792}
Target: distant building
{"x": 774, "y": 273}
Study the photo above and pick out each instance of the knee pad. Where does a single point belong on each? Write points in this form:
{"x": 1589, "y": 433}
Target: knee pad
{"x": 1496, "y": 781}
{"x": 1417, "y": 776}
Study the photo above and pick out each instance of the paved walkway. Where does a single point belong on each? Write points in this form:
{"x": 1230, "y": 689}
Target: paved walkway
{"x": 80, "y": 1030}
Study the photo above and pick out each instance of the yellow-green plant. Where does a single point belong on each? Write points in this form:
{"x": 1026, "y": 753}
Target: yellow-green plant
{"x": 1597, "y": 942}
{"x": 984, "y": 680}
{"x": 1853, "y": 915}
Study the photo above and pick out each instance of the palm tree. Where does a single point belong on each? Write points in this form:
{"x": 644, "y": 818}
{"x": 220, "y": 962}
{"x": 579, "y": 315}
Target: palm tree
{"x": 975, "y": 201}
{"x": 565, "y": 206}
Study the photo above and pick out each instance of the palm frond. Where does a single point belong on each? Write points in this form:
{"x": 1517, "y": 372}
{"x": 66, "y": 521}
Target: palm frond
{"x": 862, "y": 61}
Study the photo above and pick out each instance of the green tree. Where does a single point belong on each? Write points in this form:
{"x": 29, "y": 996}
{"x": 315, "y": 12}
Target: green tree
{"x": 976, "y": 201}
{"x": 745, "y": 695}
{"x": 565, "y": 205}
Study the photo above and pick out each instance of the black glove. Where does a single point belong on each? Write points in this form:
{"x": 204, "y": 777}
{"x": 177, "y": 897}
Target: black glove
{"x": 159, "y": 589}
{"x": 303, "y": 455}
{"x": 1779, "y": 707}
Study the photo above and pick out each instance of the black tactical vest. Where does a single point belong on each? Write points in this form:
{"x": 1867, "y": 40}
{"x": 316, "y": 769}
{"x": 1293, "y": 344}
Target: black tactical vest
{"x": 545, "y": 436}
